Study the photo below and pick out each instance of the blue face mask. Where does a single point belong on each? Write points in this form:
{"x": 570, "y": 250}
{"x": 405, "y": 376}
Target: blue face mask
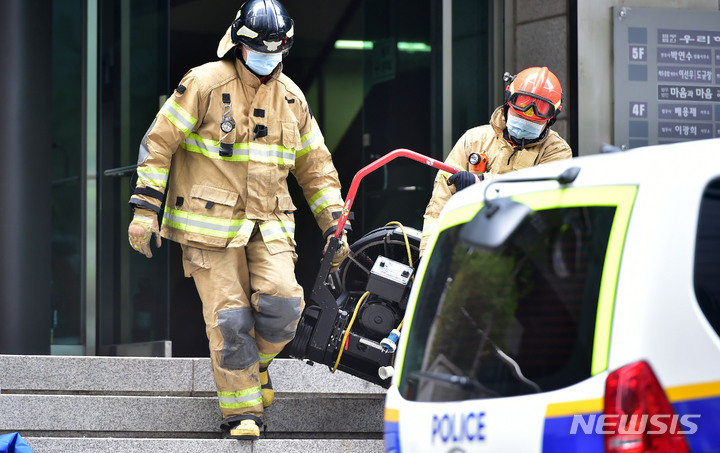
{"x": 523, "y": 129}
{"x": 262, "y": 63}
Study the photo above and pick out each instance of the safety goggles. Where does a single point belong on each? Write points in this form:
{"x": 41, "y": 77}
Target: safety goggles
{"x": 523, "y": 102}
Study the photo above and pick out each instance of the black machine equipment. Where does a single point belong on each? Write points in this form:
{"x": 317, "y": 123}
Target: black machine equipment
{"x": 353, "y": 318}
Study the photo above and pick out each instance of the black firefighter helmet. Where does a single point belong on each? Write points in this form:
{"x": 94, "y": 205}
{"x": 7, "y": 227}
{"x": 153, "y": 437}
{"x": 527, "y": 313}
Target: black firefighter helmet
{"x": 263, "y": 25}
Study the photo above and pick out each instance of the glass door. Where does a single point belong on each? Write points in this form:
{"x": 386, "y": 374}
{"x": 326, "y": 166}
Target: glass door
{"x": 133, "y": 301}
{"x": 426, "y": 82}
{"x": 399, "y": 110}
{"x": 67, "y": 331}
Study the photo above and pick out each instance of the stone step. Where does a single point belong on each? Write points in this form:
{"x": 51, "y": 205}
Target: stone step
{"x": 155, "y": 376}
{"x": 84, "y": 445}
{"x": 56, "y": 398}
{"x": 188, "y": 417}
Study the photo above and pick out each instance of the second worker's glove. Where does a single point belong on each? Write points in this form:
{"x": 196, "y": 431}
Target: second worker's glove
{"x": 463, "y": 179}
{"x": 340, "y": 254}
{"x": 143, "y": 226}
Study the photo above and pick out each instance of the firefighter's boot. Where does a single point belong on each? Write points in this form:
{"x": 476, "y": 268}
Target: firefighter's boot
{"x": 268, "y": 394}
{"x": 247, "y": 429}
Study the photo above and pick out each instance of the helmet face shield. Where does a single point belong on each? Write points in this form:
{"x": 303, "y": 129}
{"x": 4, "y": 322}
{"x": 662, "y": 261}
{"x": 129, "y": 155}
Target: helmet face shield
{"x": 532, "y": 106}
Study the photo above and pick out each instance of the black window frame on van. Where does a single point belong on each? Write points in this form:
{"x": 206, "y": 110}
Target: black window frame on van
{"x": 706, "y": 271}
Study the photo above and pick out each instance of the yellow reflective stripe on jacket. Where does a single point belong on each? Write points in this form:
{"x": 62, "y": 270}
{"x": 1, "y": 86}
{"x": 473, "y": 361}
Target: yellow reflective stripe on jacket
{"x": 209, "y": 226}
{"x": 153, "y": 176}
{"x": 277, "y": 229}
{"x": 242, "y": 152}
{"x": 265, "y": 358}
{"x": 178, "y": 116}
{"x": 309, "y": 141}
{"x": 243, "y": 398}
{"x": 323, "y": 199}
{"x": 429, "y": 226}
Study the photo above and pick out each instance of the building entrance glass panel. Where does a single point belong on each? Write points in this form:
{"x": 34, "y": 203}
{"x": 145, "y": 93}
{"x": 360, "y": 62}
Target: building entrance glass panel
{"x": 109, "y": 300}
{"x": 133, "y": 302}
{"x": 426, "y": 70}
{"x": 399, "y": 110}
{"x": 67, "y": 332}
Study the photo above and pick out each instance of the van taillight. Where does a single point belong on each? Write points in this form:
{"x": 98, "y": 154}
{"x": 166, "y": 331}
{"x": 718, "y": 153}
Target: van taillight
{"x": 639, "y": 415}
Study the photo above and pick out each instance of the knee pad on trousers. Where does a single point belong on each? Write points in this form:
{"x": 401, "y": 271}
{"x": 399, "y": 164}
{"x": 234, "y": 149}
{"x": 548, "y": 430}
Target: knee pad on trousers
{"x": 239, "y": 350}
{"x": 277, "y": 317}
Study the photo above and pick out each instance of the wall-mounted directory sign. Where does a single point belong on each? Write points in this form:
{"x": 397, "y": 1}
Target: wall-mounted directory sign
{"x": 667, "y": 75}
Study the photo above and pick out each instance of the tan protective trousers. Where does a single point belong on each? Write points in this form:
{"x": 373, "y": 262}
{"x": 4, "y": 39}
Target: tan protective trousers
{"x": 251, "y": 305}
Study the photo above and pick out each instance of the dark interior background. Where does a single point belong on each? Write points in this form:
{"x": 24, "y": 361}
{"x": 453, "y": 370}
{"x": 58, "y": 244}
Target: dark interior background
{"x": 394, "y": 114}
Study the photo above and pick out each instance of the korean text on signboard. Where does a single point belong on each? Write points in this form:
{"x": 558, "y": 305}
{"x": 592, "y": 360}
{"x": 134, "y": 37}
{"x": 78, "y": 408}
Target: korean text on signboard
{"x": 667, "y": 75}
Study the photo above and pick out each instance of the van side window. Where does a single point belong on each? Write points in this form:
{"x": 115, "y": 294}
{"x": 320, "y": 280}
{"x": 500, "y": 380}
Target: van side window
{"x": 707, "y": 255}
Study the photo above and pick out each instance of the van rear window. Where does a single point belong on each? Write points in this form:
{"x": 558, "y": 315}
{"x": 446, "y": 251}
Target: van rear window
{"x": 515, "y": 321}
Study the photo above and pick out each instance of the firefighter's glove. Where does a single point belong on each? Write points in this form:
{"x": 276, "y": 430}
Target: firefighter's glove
{"x": 340, "y": 254}
{"x": 463, "y": 179}
{"x": 143, "y": 226}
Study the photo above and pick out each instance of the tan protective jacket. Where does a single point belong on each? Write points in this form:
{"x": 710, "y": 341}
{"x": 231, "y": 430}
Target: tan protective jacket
{"x": 223, "y": 184}
{"x": 502, "y": 156}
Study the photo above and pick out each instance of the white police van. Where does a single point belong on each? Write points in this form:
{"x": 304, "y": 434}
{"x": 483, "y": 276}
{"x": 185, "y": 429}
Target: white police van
{"x": 569, "y": 307}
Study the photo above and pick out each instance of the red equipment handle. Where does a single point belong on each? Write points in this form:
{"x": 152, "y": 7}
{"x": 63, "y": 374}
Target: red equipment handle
{"x": 401, "y": 152}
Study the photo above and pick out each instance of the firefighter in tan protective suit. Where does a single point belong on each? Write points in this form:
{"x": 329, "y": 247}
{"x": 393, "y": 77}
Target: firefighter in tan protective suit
{"x": 223, "y": 145}
{"x": 518, "y": 136}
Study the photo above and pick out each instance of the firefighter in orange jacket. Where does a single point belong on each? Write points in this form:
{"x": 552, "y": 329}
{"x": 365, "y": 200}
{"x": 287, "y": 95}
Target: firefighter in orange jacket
{"x": 518, "y": 136}
{"x": 223, "y": 145}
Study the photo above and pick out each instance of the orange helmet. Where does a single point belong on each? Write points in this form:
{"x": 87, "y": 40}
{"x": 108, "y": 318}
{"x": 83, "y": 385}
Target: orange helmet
{"x": 534, "y": 93}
